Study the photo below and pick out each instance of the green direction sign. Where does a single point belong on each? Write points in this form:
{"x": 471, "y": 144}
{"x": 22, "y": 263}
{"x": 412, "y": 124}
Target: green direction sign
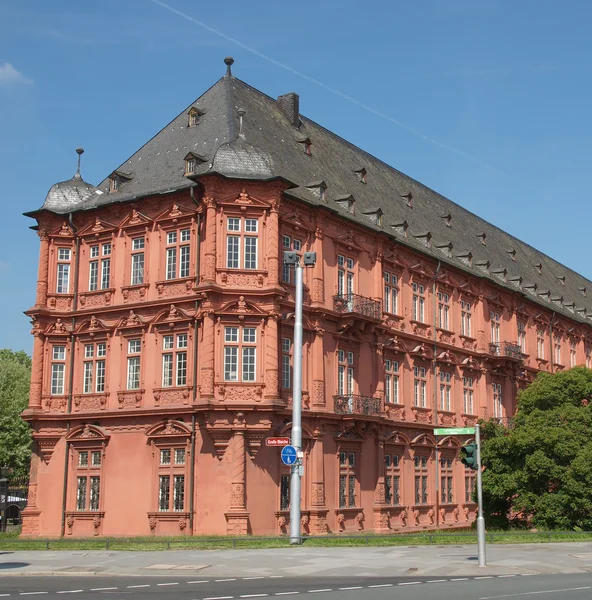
{"x": 455, "y": 431}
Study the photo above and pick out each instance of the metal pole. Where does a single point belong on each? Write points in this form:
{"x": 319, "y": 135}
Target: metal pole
{"x": 296, "y": 440}
{"x": 480, "y": 519}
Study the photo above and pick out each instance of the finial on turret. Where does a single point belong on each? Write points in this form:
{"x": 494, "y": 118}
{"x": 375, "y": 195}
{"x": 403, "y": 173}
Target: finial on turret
{"x": 80, "y": 152}
{"x": 241, "y": 113}
{"x": 229, "y": 61}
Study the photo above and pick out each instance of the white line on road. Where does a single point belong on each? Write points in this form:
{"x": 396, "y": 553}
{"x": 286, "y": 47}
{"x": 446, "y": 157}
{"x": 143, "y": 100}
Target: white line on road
{"x": 141, "y": 586}
{"x": 254, "y": 595}
{"x": 167, "y": 584}
{"x": 219, "y": 580}
{"x": 200, "y": 581}
{"x": 102, "y": 589}
{"x": 460, "y": 579}
{"x": 381, "y": 585}
{"x": 504, "y": 576}
{"x": 70, "y": 592}
{"x": 30, "y": 593}
{"x": 409, "y": 583}
{"x": 285, "y": 593}
{"x": 323, "y": 590}
{"x": 484, "y": 577}
{"x": 355, "y": 587}
{"x": 436, "y": 581}
{"x": 258, "y": 577}
{"x": 219, "y": 598}
{"x": 539, "y": 592}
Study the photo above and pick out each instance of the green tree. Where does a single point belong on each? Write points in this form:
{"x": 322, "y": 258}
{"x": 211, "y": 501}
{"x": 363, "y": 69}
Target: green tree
{"x": 15, "y": 435}
{"x": 538, "y": 472}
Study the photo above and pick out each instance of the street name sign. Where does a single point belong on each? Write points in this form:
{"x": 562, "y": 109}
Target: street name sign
{"x": 455, "y": 431}
{"x": 289, "y": 455}
{"x": 277, "y": 441}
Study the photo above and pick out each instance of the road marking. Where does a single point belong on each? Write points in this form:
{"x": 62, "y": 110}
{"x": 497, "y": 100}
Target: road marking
{"x": 258, "y": 577}
{"x": 381, "y": 585}
{"x": 323, "y": 590}
{"x": 29, "y": 593}
{"x": 504, "y": 576}
{"x": 219, "y": 580}
{"x": 254, "y": 595}
{"x": 539, "y": 592}
{"x": 285, "y": 593}
{"x": 484, "y": 577}
{"x": 436, "y": 581}
{"x": 200, "y": 581}
{"x": 141, "y": 586}
{"x": 355, "y": 587}
{"x": 460, "y": 579}
{"x": 102, "y": 589}
{"x": 219, "y": 598}
{"x": 165, "y": 584}
{"x": 409, "y": 583}
{"x": 70, "y": 592}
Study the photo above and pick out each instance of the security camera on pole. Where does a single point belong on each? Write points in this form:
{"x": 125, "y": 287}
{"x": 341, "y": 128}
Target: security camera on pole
{"x": 292, "y": 259}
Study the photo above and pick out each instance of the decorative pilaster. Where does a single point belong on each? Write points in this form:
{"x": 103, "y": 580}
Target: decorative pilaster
{"x": 271, "y": 357}
{"x": 381, "y": 514}
{"x": 36, "y": 369}
{"x": 237, "y": 518}
{"x": 31, "y": 513}
{"x": 379, "y": 369}
{"x": 318, "y": 512}
{"x": 206, "y": 379}
{"x": 318, "y": 369}
{"x": 209, "y": 266}
{"x": 318, "y": 285}
{"x": 42, "y": 274}
{"x": 273, "y": 272}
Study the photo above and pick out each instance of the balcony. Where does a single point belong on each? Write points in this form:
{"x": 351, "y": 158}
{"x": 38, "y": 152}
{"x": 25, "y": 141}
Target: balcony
{"x": 507, "y": 350}
{"x": 355, "y": 304}
{"x": 353, "y": 404}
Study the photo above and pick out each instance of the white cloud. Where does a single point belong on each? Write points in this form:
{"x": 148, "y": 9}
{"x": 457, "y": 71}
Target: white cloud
{"x": 10, "y": 76}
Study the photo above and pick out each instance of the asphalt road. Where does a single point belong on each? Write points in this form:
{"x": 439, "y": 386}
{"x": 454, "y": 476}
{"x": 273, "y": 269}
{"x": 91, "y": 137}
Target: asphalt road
{"x": 574, "y": 586}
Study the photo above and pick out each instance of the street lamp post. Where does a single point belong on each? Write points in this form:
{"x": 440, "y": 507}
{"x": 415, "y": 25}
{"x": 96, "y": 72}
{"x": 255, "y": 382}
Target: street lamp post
{"x": 292, "y": 259}
{"x": 482, "y": 560}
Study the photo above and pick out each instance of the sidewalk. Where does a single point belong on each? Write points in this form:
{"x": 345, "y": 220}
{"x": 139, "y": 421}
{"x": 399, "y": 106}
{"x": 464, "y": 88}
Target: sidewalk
{"x": 301, "y": 561}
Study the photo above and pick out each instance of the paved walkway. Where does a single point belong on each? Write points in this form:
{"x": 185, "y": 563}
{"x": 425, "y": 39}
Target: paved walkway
{"x": 308, "y": 562}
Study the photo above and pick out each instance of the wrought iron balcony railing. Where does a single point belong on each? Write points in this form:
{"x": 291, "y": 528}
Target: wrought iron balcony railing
{"x": 507, "y": 350}
{"x": 352, "y": 404}
{"x": 354, "y": 303}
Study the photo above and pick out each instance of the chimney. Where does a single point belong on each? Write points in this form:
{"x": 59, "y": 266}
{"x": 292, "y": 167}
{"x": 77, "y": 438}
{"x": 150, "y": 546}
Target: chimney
{"x": 290, "y": 105}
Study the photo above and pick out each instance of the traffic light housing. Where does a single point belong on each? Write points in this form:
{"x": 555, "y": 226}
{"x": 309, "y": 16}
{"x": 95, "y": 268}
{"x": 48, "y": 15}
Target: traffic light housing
{"x": 469, "y": 456}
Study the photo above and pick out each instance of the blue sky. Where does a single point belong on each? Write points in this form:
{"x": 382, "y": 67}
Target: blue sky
{"x": 486, "y": 102}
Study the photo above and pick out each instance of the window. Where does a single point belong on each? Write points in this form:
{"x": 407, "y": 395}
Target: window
{"x": 468, "y": 406}
{"x": 171, "y": 477}
{"x": 190, "y": 165}
{"x": 494, "y": 318}
{"x": 497, "y": 400}
{"x": 194, "y": 116}
{"x": 99, "y": 271}
{"x": 178, "y": 253}
{"x": 138, "y": 245}
{"x": 443, "y": 310}
{"x": 588, "y": 357}
{"x": 465, "y": 318}
{"x": 421, "y": 479}
{"x": 557, "y": 351}
{"x": 133, "y": 364}
{"x": 240, "y": 341}
{"x": 391, "y": 293}
{"x": 288, "y": 244}
{"x": 88, "y": 480}
{"x": 58, "y": 368}
{"x": 540, "y": 343}
{"x": 345, "y": 276}
{"x": 244, "y": 229}
{"x": 446, "y": 480}
{"x": 392, "y": 479}
{"x": 469, "y": 485}
{"x": 418, "y": 302}
{"x": 94, "y": 368}
{"x": 345, "y": 373}
{"x": 63, "y": 272}
{"x": 419, "y": 387}
{"x": 347, "y": 479}
{"x": 285, "y": 491}
{"x": 572, "y": 354}
{"x": 286, "y": 363}
{"x": 445, "y": 391}
{"x": 391, "y": 381}
{"x": 174, "y": 360}
{"x": 522, "y": 336}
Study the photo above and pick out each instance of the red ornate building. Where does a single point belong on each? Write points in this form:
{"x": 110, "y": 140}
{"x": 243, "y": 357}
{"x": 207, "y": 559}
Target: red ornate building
{"x": 163, "y": 333}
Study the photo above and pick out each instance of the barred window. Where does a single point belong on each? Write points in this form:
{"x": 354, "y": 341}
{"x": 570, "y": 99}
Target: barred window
{"x": 392, "y": 478}
{"x": 347, "y": 479}
{"x": 88, "y": 480}
{"x": 446, "y": 480}
{"x": 171, "y": 480}
{"x": 421, "y": 479}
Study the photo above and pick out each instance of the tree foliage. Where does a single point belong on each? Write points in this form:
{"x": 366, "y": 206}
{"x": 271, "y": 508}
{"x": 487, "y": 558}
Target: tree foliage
{"x": 15, "y": 435}
{"x": 538, "y": 472}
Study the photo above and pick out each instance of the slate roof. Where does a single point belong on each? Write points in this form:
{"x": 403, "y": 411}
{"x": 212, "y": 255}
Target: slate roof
{"x": 271, "y": 146}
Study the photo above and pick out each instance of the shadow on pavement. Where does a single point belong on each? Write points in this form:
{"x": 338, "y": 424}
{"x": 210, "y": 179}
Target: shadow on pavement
{"x": 13, "y": 565}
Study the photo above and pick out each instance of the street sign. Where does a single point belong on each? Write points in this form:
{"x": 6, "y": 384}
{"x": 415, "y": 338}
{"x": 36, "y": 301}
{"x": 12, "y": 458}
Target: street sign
{"x": 289, "y": 455}
{"x": 277, "y": 441}
{"x": 455, "y": 431}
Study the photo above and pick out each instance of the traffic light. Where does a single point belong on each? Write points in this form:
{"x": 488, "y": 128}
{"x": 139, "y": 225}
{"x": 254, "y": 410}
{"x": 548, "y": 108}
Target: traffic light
{"x": 469, "y": 456}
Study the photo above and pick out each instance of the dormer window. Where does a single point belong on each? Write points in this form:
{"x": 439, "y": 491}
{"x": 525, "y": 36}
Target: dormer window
{"x": 318, "y": 188}
{"x": 401, "y": 227}
{"x": 346, "y": 202}
{"x": 114, "y": 183}
{"x": 375, "y": 215}
{"x": 361, "y": 173}
{"x": 194, "y": 117}
{"x": 116, "y": 179}
{"x": 192, "y": 161}
{"x": 306, "y": 146}
{"x": 408, "y": 199}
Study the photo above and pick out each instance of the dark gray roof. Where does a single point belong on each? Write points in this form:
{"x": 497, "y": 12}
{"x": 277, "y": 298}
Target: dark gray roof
{"x": 271, "y": 148}
{"x": 69, "y": 195}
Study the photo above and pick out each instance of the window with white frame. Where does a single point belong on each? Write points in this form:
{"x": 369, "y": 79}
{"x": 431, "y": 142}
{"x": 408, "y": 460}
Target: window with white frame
{"x": 290, "y": 244}
{"x": 557, "y": 351}
{"x": 347, "y": 479}
{"x": 420, "y": 463}
{"x": 465, "y": 317}
{"x": 286, "y": 363}
{"x": 522, "y": 336}
{"x": 391, "y": 293}
{"x": 540, "y": 343}
{"x": 94, "y": 368}
{"x": 240, "y": 342}
{"x": 418, "y": 302}
{"x": 345, "y": 373}
{"x": 420, "y": 384}
{"x": 468, "y": 404}
{"x": 391, "y": 381}
{"x": 392, "y": 478}
{"x": 174, "y": 360}
{"x": 443, "y": 310}
{"x": 572, "y": 354}
{"x": 446, "y": 480}
{"x": 242, "y": 243}
{"x": 88, "y": 480}
{"x": 469, "y": 484}
{"x": 178, "y": 252}
{"x": 445, "y": 391}
{"x": 498, "y": 403}
{"x": 494, "y": 318}
{"x": 138, "y": 245}
{"x": 588, "y": 351}
{"x": 58, "y": 369}
{"x": 63, "y": 271}
{"x": 134, "y": 348}
{"x": 345, "y": 276}
{"x": 171, "y": 480}
{"x": 99, "y": 267}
